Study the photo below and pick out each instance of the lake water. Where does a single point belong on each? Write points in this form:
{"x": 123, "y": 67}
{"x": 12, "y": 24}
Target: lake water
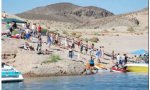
{"x": 104, "y": 81}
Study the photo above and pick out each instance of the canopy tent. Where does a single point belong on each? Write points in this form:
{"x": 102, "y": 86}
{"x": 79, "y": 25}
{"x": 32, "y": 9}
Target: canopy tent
{"x": 139, "y": 52}
{"x": 9, "y": 20}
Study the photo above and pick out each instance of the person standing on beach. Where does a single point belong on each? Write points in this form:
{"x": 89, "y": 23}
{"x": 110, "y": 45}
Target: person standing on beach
{"x": 126, "y": 59}
{"x": 28, "y": 32}
{"x": 34, "y": 29}
{"x": 71, "y": 53}
{"x": 123, "y": 59}
{"x": 23, "y": 26}
{"x": 102, "y": 52}
{"x": 28, "y": 25}
{"x": 86, "y": 47}
{"x": 52, "y": 38}
{"x": 39, "y": 29}
{"x": 56, "y": 39}
{"x": 81, "y": 47}
{"x": 65, "y": 42}
{"x": 79, "y": 43}
{"x": 97, "y": 55}
{"x": 49, "y": 40}
{"x": 39, "y": 45}
{"x": 92, "y": 49}
{"x": 73, "y": 44}
{"x": 118, "y": 57}
{"x": 91, "y": 64}
{"x": 113, "y": 56}
{"x": 134, "y": 58}
{"x": 14, "y": 25}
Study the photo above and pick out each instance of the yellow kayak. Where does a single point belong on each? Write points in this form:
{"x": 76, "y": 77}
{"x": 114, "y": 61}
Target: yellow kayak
{"x": 137, "y": 68}
{"x": 100, "y": 66}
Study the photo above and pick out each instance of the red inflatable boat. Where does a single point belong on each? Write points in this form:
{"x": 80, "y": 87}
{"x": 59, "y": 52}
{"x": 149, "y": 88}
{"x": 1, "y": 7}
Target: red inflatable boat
{"x": 115, "y": 69}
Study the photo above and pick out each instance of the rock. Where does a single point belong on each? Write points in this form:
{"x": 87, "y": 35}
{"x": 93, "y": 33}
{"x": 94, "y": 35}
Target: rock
{"x": 64, "y": 67}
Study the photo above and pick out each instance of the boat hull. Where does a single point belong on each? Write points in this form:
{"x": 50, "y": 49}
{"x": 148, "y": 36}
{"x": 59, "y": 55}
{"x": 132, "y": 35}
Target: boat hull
{"x": 118, "y": 69}
{"x": 13, "y": 79}
{"x": 143, "y": 68}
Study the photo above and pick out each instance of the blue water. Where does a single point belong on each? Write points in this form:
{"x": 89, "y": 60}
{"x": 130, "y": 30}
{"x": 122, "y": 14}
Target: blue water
{"x": 105, "y": 81}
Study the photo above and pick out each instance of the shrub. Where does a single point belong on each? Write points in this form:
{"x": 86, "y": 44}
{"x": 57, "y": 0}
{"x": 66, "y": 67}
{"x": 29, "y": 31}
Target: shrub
{"x": 113, "y": 29}
{"x": 86, "y": 39}
{"x": 44, "y": 30}
{"x": 65, "y": 32}
{"x": 96, "y": 27}
{"x": 96, "y": 33}
{"x": 78, "y": 35}
{"x": 130, "y": 29}
{"x": 94, "y": 39}
{"x": 52, "y": 58}
{"x": 73, "y": 34}
{"x": 105, "y": 31}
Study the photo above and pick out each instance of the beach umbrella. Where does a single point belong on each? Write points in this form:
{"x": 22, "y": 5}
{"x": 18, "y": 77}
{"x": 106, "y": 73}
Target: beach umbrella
{"x": 9, "y": 20}
{"x": 139, "y": 52}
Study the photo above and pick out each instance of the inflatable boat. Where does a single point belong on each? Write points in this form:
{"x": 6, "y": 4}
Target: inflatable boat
{"x": 115, "y": 69}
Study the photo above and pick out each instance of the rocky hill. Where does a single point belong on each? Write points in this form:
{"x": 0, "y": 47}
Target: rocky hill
{"x": 137, "y": 20}
{"x": 62, "y": 16}
{"x": 65, "y": 12}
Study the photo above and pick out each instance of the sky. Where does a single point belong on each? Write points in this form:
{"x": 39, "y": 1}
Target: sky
{"x": 115, "y": 6}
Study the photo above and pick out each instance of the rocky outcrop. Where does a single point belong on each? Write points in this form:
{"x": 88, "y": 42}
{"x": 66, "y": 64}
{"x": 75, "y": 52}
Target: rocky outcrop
{"x": 65, "y": 12}
{"x": 61, "y": 68}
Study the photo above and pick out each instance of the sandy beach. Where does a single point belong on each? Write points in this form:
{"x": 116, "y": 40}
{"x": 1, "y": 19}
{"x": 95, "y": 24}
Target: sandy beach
{"x": 112, "y": 32}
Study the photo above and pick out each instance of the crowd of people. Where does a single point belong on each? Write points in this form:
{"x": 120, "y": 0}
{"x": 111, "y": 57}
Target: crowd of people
{"x": 28, "y": 31}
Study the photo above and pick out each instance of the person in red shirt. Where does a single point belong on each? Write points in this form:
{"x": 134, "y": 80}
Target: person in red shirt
{"x": 39, "y": 29}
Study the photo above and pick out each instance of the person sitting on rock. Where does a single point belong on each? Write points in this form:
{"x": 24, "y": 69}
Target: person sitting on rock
{"x": 26, "y": 46}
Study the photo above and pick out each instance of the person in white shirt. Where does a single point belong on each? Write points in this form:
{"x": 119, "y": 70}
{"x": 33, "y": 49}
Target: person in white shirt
{"x": 24, "y": 26}
{"x": 123, "y": 59}
{"x": 65, "y": 42}
{"x": 27, "y": 31}
{"x": 118, "y": 57}
{"x": 34, "y": 29}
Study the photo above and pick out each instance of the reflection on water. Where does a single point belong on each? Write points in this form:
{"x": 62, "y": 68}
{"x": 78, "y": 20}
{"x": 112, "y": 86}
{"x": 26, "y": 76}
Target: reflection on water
{"x": 105, "y": 81}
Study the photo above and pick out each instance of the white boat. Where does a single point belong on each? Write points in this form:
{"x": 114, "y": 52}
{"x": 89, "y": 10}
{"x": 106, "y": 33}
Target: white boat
{"x": 9, "y": 74}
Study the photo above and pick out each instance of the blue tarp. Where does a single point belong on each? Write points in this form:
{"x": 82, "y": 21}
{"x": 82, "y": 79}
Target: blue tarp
{"x": 140, "y": 52}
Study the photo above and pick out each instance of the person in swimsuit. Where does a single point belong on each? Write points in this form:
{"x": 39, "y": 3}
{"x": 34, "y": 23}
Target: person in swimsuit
{"x": 91, "y": 63}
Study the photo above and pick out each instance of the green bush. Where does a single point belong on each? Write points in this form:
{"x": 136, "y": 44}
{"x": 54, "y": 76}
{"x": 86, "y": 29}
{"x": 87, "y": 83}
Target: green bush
{"x": 78, "y": 35}
{"x": 75, "y": 34}
{"x": 130, "y": 29}
{"x": 86, "y": 39}
{"x": 96, "y": 33}
{"x": 113, "y": 29}
{"x": 44, "y": 30}
{"x": 52, "y": 58}
{"x": 106, "y": 31}
{"x": 65, "y": 32}
{"x": 94, "y": 39}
